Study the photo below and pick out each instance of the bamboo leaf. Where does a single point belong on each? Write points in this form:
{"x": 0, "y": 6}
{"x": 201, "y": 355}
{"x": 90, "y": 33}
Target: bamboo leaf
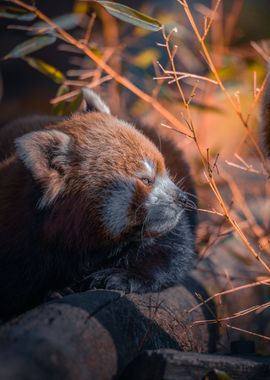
{"x": 66, "y": 21}
{"x": 130, "y": 15}
{"x": 74, "y": 105}
{"x": 59, "y": 108}
{"x": 31, "y": 45}
{"x": 46, "y": 69}
{"x": 67, "y": 107}
{"x": 16, "y": 13}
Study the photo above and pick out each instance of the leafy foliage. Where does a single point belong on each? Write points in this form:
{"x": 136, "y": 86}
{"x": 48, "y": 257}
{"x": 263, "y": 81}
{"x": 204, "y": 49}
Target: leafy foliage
{"x": 50, "y": 71}
{"x": 30, "y": 46}
{"x": 16, "y": 13}
{"x": 70, "y": 21}
{"x": 130, "y": 15}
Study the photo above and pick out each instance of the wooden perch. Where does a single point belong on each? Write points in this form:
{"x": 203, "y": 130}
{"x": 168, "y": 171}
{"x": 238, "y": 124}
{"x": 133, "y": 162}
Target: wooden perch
{"x": 169, "y": 364}
{"x": 96, "y": 334}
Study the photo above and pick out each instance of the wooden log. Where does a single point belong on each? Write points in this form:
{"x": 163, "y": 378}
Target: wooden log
{"x": 95, "y": 334}
{"x": 169, "y": 364}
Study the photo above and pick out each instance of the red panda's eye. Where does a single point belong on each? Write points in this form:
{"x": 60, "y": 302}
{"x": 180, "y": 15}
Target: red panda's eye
{"x": 147, "y": 181}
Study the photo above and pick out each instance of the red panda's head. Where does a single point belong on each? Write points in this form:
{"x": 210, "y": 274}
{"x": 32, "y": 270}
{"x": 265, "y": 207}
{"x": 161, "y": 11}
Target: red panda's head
{"x": 100, "y": 172}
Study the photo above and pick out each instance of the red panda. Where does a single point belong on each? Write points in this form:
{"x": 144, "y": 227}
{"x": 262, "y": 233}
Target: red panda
{"x": 87, "y": 194}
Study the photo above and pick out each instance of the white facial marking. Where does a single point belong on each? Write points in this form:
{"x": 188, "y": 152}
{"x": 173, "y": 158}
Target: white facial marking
{"x": 150, "y": 167}
{"x": 162, "y": 212}
{"x": 116, "y": 206}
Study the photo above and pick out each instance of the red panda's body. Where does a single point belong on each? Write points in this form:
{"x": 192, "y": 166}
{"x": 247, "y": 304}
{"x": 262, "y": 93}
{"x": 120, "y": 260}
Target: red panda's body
{"x": 86, "y": 194}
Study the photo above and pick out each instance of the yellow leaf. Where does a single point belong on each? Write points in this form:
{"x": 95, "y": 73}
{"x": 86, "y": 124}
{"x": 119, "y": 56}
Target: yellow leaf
{"x": 45, "y": 69}
{"x": 146, "y": 58}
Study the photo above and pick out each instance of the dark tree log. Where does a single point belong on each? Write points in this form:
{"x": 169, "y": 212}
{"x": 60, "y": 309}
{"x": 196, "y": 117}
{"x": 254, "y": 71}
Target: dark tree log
{"x": 94, "y": 335}
{"x": 174, "y": 365}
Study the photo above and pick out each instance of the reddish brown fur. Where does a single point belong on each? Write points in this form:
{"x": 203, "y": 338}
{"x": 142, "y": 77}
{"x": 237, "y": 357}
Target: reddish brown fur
{"x": 126, "y": 147}
{"x": 32, "y": 240}
{"x": 43, "y": 248}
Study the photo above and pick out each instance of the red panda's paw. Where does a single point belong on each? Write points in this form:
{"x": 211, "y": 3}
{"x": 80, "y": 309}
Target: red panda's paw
{"x": 59, "y": 294}
{"x": 119, "y": 279}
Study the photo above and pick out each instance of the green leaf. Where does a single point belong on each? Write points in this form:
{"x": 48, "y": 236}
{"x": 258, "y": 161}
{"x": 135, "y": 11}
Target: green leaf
{"x": 16, "y": 13}
{"x": 31, "y": 45}
{"x": 74, "y": 104}
{"x": 45, "y": 69}
{"x": 66, "y": 21}
{"x": 67, "y": 107}
{"x": 130, "y": 15}
{"x": 59, "y": 108}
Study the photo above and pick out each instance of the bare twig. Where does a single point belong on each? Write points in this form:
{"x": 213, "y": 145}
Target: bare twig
{"x": 99, "y": 61}
{"x": 183, "y": 75}
{"x": 89, "y": 28}
{"x": 73, "y": 93}
{"x": 223, "y": 88}
{"x": 229, "y": 291}
{"x": 248, "y": 332}
{"x": 241, "y": 313}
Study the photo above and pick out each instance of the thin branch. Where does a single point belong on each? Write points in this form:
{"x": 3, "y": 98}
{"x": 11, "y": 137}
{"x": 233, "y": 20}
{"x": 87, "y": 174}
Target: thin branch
{"x": 241, "y": 313}
{"x": 99, "y": 61}
{"x": 73, "y": 93}
{"x": 89, "y": 28}
{"x": 248, "y": 332}
{"x": 212, "y": 18}
{"x": 259, "y": 50}
{"x": 222, "y": 87}
{"x": 183, "y": 75}
{"x": 208, "y": 171}
{"x": 229, "y": 291}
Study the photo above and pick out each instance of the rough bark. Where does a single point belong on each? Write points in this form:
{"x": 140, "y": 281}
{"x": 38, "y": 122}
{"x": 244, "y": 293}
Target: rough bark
{"x": 94, "y": 335}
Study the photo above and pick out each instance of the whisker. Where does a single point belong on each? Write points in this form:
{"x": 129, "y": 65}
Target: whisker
{"x": 190, "y": 194}
{"x": 188, "y": 204}
{"x": 191, "y": 207}
{"x": 181, "y": 182}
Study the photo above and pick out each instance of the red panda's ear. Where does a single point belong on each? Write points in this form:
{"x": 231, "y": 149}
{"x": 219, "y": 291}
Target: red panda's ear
{"x": 46, "y": 155}
{"x": 94, "y": 102}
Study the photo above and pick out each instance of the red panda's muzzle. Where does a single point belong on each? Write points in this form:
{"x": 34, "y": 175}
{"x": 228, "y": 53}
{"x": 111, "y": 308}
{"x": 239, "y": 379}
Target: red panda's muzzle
{"x": 131, "y": 208}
